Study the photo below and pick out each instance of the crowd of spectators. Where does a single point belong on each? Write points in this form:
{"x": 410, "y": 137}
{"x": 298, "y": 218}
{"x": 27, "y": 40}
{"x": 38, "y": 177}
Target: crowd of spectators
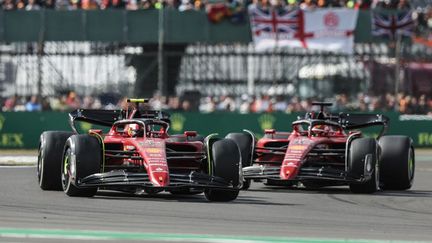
{"x": 405, "y": 104}
{"x": 183, "y": 5}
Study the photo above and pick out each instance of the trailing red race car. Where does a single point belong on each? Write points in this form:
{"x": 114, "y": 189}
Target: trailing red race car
{"x": 137, "y": 154}
{"x": 328, "y": 150}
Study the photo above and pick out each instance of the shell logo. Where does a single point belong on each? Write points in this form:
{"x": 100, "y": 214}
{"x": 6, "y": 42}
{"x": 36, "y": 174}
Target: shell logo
{"x": 153, "y": 150}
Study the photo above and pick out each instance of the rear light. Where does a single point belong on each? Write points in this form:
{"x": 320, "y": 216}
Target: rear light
{"x": 190, "y": 133}
{"x": 269, "y": 131}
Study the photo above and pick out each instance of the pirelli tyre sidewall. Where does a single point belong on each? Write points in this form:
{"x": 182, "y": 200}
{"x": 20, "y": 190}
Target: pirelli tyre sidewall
{"x": 49, "y": 161}
{"x": 225, "y": 156}
{"x": 82, "y": 157}
{"x": 397, "y": 162}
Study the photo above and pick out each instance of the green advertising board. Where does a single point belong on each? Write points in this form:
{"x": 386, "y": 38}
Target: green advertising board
{"x": 21, "y": 130}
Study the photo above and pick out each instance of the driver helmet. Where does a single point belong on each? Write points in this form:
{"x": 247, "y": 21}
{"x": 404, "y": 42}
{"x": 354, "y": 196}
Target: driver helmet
{"x": 134, "y": 130}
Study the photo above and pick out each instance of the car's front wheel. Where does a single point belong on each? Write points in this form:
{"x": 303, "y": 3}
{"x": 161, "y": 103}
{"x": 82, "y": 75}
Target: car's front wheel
{"x": 363, "y": 159}
{"x": 49, "y": 161}
{"x": 82, "y": 157}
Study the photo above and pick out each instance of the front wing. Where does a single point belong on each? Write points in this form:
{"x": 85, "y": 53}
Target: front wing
{"x": 121, "y": 178}
{"x": 305, "y": 173}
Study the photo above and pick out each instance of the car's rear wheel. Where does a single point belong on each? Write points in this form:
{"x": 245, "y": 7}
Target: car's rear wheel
{"x": 363, "y": 152}
{"x": 244, "y": 142}
{"x": 397, "y": 162}
{"x": 226, "y": 162}
{"x": 49, "y": 161}
{"x": 82, "y": 157}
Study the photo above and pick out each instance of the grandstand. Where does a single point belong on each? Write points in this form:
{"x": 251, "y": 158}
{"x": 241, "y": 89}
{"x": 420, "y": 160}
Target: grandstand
{"x": 204, "y": 64}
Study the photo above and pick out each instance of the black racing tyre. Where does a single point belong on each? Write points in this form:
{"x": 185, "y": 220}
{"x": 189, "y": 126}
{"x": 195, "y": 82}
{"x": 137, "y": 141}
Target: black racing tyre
{"x": 226, "y": 160}
{"x": 244, "y": 142}
{"x": 359, "y": 149}
{"x": 49, "y": 161}
{"x": 397, "y": 162}
{"x": 87, "y": 161}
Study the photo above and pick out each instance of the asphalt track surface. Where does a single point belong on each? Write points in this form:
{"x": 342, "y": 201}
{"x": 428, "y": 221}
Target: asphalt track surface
{"x": 262, "y": 214}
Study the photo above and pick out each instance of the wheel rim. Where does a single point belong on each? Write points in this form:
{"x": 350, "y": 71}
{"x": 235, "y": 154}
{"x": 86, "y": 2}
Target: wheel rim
{"x": 411, "y": 164}
{"x": 65, "y": 170}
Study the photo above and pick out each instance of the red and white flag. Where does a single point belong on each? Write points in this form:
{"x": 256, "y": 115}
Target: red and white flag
{"x": 322, "y": 29}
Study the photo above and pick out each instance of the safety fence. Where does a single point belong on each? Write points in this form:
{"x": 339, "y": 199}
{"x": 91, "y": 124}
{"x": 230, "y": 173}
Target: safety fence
{"x": 93, "y": 68}
{"x": 21, "y": 130}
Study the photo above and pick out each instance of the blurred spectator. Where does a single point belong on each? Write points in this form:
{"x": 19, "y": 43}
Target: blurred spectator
{"x": 10, "y": 103}
{"x": 62, "y": 5}
{"x": 33, "y": 104}
{"x": 186, "y": 105}
{"x": 132, "y": 5}
{"x": 72, "y": 100}
{"x": 32, "y": 5}
{"x": 8, "y": 5}
{"x": 186, "y": 5}
{"x": 21, "y": 4}
{"x": 74, "y": 4}
{"x": 308, "y": 5}
{"x": 406, "y": 104}
{"x": 89, "y": 5}
{"x": 231, "y": 8}
{"x": 226, "y": 104}
{"x": 49, "y": 4}
{"x": 280, "y": 105}
{"x": 207, "y": 105}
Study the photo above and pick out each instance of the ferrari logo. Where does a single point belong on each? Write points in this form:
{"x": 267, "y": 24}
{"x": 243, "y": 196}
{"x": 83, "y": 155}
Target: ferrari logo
{"x": 2, "y": 120}
{"x": 177, "y": 122}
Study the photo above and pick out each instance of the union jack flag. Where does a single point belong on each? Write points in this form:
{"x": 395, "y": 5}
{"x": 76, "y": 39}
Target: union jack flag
{"x": 391, "y": 25}
{"x": 274, "y": 22}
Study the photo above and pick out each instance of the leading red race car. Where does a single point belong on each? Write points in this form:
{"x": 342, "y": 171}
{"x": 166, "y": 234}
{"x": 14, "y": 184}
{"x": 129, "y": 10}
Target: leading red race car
{"x": 328, "y": 150}
{"x": 137, "y": 154}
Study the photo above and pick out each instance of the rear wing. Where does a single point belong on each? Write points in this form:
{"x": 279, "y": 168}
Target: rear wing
{"x": 109, "y": 117}
{"x": 356, "y": 121}
{"x": 153, "y": 114}
{"x": 98, "y": 117}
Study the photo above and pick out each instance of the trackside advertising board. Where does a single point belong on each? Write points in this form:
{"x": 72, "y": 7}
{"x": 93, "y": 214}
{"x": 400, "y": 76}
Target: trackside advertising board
{"x": 21, "y": 130}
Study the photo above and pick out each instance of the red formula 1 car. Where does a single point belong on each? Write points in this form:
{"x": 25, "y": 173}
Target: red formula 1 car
{"x": 137, "y": 154}
{"x": 327, "y": 150}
